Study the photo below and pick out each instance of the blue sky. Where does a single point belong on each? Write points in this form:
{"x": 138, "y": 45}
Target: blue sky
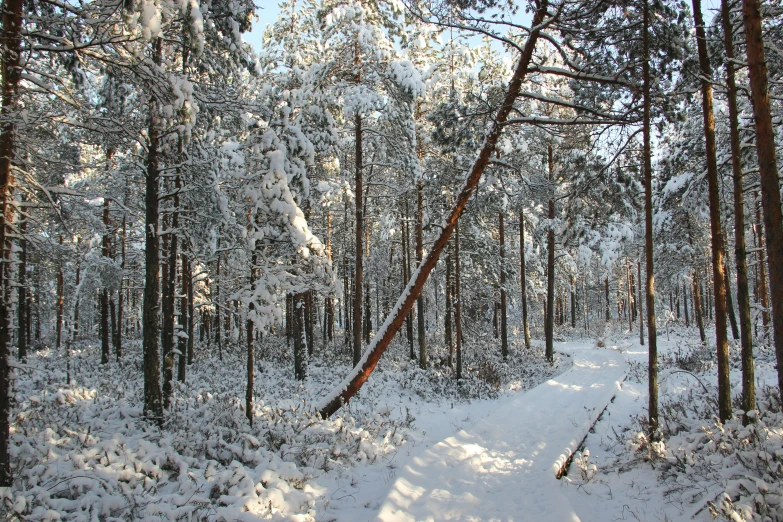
{"x": 267, "y": 14}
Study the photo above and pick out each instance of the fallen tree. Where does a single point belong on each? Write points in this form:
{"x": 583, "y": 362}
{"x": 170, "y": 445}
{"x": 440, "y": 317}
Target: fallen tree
{"x": 364, "y": 368}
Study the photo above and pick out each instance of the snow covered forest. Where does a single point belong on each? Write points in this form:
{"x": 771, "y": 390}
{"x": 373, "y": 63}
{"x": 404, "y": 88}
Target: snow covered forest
{"x": 403, "y": 260}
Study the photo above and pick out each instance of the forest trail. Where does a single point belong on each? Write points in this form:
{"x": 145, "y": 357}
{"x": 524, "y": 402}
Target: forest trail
{"x": 503, "y": 468}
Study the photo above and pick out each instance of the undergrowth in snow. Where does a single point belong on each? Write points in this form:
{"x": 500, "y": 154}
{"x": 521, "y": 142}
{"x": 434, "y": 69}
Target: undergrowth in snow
{"x": 703, "y": 469}
{"x": 82, "y": 450}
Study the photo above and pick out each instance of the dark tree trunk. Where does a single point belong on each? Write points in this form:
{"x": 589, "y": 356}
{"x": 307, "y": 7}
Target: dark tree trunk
{"x": 572, "y": 290}
{"x": 419, "y": 256}
{"x": 183, "y": 320}
{"x": 761, "y": 270}
{"x": 121, "y": 294}
{"x": 191, "y": 314}
{"x": 250, "y": 367}
{"x": 768, "y": 169}
{"x": 523, "y": 279}
{"x": 652, "y": 333}
{"x": 716, "y": 229}
{"x": 641, "y": 303}
{"x": 23, "y": 308}
{"x": 607, "y": 312}
{"x": 217, "y": 302}
{"x": 407, "y": 256}
{"x": 740, "y": 252}
{"x": 60, "y": 299}
{"x": 153, "y": 403}
{"x": 457, "y": 304}
{"x": 449, "y": 306}
{"x": 503, "y": 317}
{"x": 549, "y": 326}
{"x": 300, "y": 343}
{"x": 685, "y": 304}
{"x": 729, "y": 300}
{"x": 698, "y": 315}
{"x": 359, "y": 272}
{"x": 105, "y": 291}
{"x": 10, "y": 51}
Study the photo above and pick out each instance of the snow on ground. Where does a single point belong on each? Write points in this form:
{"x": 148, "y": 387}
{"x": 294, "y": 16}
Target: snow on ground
{"x": 82, "y": 451}
{"x": 505, "y": 466}
{"x": 622, "y": 476}
{"x": 414, "y": 445}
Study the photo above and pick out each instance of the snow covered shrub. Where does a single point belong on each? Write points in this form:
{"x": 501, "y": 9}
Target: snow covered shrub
{"x": 587, "y": 470}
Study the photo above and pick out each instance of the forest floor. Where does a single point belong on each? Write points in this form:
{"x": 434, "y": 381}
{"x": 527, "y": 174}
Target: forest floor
{"x": 414, "y": 445}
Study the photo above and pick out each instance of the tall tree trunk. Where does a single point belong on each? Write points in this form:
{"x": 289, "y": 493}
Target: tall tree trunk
{"x": 10, "y": 51}
{"x": 120, "y": 303}
{"x": 572, "y": 290}
{"x": 169, "y": 298}
{"x": 716, "y": 229}
{"x": 191, "y": 313}
{"x": 407, "y": 256}
{"x": 457, "y": 303}
{"x": 697, "y": 309}
{"x": 449, "y": 306}
{"x": 22, "y": 310}
{"x": 153, "y": 403}
{"x": 761, "y": 270}
{"x": 729, "y": 299}
{"x": 359, "y": 272}
{"x": 300, "y": 343}
{"x": 419, "y": 256}
{"x": 60, "y": 299}
{"x": 607, "y": 313}
{"x": 218, "y": 327}
{"x": 183, "y": 320}
{"x": 630, "y": 292}
{"x": 523, "y": 279}
{"x": 549, "y": 326}
{"x": 652, "y": 333}
{"x": 641, "y": 303}
{"x": 503, "y": 317}
{"x": 740, "y": 251}
{"x": 768, "y": 169}
{"x": 685, "y": 303}
{"x": 105, "y": 291}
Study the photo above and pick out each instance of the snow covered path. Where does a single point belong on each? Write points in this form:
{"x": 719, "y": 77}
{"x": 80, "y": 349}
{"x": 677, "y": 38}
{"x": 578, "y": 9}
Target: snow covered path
{"x": 503, "y": 468}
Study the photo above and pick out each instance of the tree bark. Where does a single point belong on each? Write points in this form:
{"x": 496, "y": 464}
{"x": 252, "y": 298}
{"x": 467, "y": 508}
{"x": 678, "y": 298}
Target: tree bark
{"x": 419, "y": 255}
{"x": 457, "y": 303}
{"x": 652, "y": 333}
{"x": 523, "y": 279}
{"x": 153, "y": 403}
{"x": 120, "y": 296}
{"x": 405, "y": 303}
{"x": 105, "y": 291}
{"x": 716, "y": 229}
{"x": 768, "y": 169}
{"x": 300, "y": 343}
{"x": 359, "y": 271}
{"x": 549, "y": 326}
{"x": 449, "y": 306}
{"x": 10, "y": 51}
{"x": 641, "y": 303}
{"x": 191, "y": 314}
{"x": 740, "y": 250}
{"x": 697, "y": 311}
{"x": 183, "y": 320}
{"x": 761, "y": 270}
{"x": 503, "y": 317}
{"x": 22, "y": 309}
